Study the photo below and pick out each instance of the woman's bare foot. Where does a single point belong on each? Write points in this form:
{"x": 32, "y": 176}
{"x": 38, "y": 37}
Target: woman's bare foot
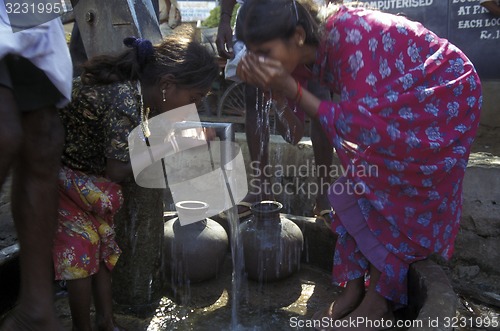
{"x": 373, "y": 313}
{"x": 348, "y": 301}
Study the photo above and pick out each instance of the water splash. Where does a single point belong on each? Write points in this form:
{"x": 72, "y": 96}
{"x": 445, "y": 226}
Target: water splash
{"x": 237, "y": 261}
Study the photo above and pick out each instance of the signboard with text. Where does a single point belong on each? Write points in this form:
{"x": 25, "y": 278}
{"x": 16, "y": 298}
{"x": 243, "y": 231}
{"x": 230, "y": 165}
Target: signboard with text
{"x": 476, "y": 32}
{"x": 192, "y": 11}
{"x": 465, "y": 23}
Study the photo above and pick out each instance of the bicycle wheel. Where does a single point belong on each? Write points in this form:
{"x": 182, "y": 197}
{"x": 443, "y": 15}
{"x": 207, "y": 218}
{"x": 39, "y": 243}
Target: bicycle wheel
{"x": 232, "y": 101}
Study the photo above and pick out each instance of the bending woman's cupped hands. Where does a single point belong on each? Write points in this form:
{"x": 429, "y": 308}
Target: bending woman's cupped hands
{"x": 270, "y": 75}
{"x": 267, "y": 74}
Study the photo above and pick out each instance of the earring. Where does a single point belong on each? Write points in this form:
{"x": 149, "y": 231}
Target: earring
{"x": 301, "y": 42}
{"x": 164, "y": 97}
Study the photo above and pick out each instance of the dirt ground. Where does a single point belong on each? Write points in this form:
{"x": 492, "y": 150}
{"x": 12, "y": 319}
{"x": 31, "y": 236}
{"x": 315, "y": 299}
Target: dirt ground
{"x": 487, "y": 141}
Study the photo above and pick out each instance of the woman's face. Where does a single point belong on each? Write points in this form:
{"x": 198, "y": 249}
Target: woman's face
{"x": 178, "y": 96}
{"x": 281, "y": 50}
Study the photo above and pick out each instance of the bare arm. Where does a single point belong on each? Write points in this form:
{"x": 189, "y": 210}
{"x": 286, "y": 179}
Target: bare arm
{"x": 224, "y": 39}
{"x": 289, "y": 125}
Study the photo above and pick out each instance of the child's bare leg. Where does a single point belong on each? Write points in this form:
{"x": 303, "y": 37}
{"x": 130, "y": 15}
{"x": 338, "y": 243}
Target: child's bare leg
{"x": 80, "y": 299}
{"x": 347, "y": 301}
{"x": 103, "y": 300}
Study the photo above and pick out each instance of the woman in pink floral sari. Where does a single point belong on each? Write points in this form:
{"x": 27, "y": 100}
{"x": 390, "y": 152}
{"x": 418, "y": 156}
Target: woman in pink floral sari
{"x": 408, "y": 114}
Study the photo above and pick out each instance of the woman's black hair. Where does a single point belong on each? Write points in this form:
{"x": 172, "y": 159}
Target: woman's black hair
{"x": 264, "y": 20}
{"x": 189, "y": 64}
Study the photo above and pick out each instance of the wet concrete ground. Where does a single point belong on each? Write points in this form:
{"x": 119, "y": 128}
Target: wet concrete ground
{"x": 282, "y": 305}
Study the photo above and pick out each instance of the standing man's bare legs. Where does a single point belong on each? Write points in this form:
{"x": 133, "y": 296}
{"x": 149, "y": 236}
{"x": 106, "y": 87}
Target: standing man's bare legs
{"x": 257, "y": 135}
{"x": 39, "y": 135}
{"x": 11, "y": 133}
{"x": 323, "y": 157}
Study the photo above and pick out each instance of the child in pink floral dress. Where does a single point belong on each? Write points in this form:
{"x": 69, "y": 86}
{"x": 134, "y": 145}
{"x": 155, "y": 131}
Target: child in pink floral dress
{"x": 110, "y": 99}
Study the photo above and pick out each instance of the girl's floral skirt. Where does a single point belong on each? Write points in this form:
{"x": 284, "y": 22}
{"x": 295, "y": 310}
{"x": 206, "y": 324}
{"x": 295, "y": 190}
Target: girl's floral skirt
{"x": 85, "y": 234}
